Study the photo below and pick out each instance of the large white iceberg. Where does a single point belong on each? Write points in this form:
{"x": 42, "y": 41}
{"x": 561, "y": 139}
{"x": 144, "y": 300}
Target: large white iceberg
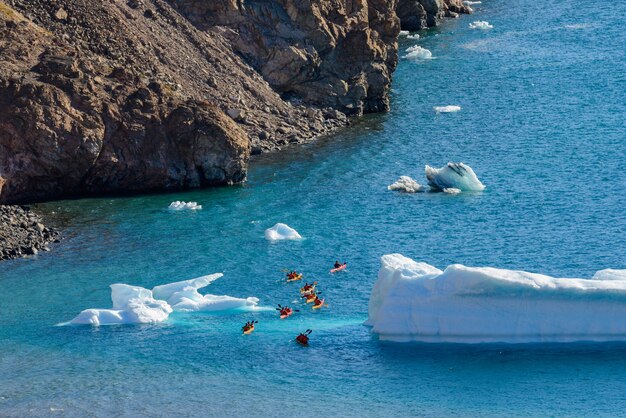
{"x": 178, "y": 205}
{"x": 281, "y": 232}
{"x": 453, "y": 176}
{"x": 416, "y": 53}
{"x": 137, "y": 305}
{"x": 414, "y": 301}
{"x": 405, "y": 184}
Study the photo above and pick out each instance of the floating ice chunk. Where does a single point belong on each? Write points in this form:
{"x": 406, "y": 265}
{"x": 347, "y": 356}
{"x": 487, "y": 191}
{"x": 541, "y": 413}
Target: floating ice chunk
{"x": 131, "y": 305}
{"x": 453, "y": 176}
{"x": 184, "y": 296}
{"x": 403, "y": 33}
{"x": 452, "y": 190}
{"x": 405, "y": 184}
{"x": 610, "y": 274}
{"x": 136, "y": 305}
{"x": 415, "y": 301}
{"x": 178, "y": 205}
{"x": 469, "y": 3}
{"x": 447, "y": 109}
{"x": 480, "y": 24}
{"x": 414, "y": 36}
{"x": 281, "y": 232}
{"x": 416, "y": 53}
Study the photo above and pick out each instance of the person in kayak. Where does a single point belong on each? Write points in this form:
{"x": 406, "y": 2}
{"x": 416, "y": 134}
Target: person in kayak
{"x": 249, "y": 326}
{"x": 303, "y": 338}
{"x": 337, "y": 264}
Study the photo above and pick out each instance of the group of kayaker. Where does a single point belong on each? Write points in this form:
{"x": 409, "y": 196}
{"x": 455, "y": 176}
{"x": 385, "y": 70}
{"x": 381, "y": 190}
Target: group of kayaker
{"x": 309, "y": 293}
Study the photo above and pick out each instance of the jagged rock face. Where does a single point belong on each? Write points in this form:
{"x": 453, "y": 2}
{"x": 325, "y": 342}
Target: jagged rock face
{"x": 121, "y": 96}
{"x": 337, "y": 53}
{"x": 421, "y": 14}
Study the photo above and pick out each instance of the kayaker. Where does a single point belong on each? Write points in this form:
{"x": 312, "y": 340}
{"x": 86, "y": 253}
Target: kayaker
{"x": 337, "y": 265}
{"x": 303, "y": 338}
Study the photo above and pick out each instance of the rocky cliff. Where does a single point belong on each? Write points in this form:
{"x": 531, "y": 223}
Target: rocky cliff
{"x": 110, "y": 96}
{"x": 421, "y": 14}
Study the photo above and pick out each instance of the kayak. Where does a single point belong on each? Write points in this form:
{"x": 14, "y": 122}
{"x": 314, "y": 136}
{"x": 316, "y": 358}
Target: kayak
{"x": 249, "y": 330}
{"x": 319, "y": 306}
{"x": 298, "y": 277}
{"x": 311, "y": 298}
{"x": 304, "y": 343}
{"x": 285, "y": 315}
{"x": 309, "y": 291}
{"x": 341, "y": 267}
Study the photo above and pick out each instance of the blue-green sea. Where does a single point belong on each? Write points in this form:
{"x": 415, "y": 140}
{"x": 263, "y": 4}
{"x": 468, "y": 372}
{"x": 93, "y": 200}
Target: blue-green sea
{"x": 542, "y": 123}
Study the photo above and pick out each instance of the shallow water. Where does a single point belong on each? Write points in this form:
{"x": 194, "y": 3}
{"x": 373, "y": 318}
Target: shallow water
{"x": 542, "y": 125}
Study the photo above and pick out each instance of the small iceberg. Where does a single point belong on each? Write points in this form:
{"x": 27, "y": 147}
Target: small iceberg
{"x": 415, "y": 36}
{"x": 416, "y": 53}
{"x": 137, "y": 305}
{"x": 281, "y": 232}
{"x": 178, "y": 205}
{"x": 452, "y": 190}
{"x": 447, "y": 109}
{"x": 404, "y": 33}
{"x": 453, "y": 176}
{"x": 480, "y": 24}
{"x": 413, "y": 301}
{"x": 470, "y": 3}
{"x": 405, "y": 184}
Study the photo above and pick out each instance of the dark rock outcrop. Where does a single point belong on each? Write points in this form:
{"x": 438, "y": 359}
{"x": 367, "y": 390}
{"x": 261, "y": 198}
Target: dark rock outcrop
{"x": 22, "y": 233}
{"x": 337, "y": 53}
{"x": 421, "y": 14}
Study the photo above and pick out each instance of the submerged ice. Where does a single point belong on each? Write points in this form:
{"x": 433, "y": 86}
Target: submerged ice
{"x": 137, "y": 305}
{"x": 405, "y": 184}
{"x": 453, "y": 176}
{"x": 281, "y": 232}
{"x": 416, "y": 301}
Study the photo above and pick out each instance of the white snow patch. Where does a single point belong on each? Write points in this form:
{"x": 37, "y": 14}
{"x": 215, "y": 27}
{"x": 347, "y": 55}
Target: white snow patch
{"x": 281, "y": 232}
{"x": 416, "y": 53}
{"x": 416, "y": 301}
{"x": 453, "y": 176}
{"x": 406, "y": 184}
{"x": 447, "y": 109}
{"x": 178, "y": 205}
{"x": 137, "y": 305}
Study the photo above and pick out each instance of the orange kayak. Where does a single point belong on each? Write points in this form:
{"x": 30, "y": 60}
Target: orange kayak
{"x": 298, "y": 277}
{"x": 286, "y": 315}
{"x": 319, "y": 305}
{"x": 249, "y": 330}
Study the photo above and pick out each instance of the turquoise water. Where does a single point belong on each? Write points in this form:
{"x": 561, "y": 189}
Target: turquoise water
{"x": 542, "y": 124}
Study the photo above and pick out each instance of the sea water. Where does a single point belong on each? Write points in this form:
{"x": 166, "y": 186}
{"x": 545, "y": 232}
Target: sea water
{"x": 542, "y": 125}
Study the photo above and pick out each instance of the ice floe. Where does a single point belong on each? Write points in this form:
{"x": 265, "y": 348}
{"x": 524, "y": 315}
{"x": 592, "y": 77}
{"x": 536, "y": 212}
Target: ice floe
{"x": 137, "y": 305}
{"x": 470, "y": 3}
{"x": 416, "y": 53}
{"x": 610, "y": 274}
{"x": 447, "y": 109}
{"x": 452, "y": 190}
{"x": 403, "y": 33}
{"x": 453, "y": 176}
{"x": 480, "y": 24}
{"x": 405, "y": 184}
{"x": 178, "y": 205}
{"x": 280, "y": 232}
{"x": 416, "y": 301}
{"x": 414, "y": 36}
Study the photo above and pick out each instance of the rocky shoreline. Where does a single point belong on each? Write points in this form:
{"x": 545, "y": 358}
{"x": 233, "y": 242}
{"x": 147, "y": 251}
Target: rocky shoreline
{"x": 22, "y": 233}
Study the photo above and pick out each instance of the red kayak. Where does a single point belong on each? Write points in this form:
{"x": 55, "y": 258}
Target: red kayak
{"x": 341, "y": 267}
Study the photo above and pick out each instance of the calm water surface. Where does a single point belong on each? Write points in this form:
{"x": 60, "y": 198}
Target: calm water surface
{"x": 542, "y": 124}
